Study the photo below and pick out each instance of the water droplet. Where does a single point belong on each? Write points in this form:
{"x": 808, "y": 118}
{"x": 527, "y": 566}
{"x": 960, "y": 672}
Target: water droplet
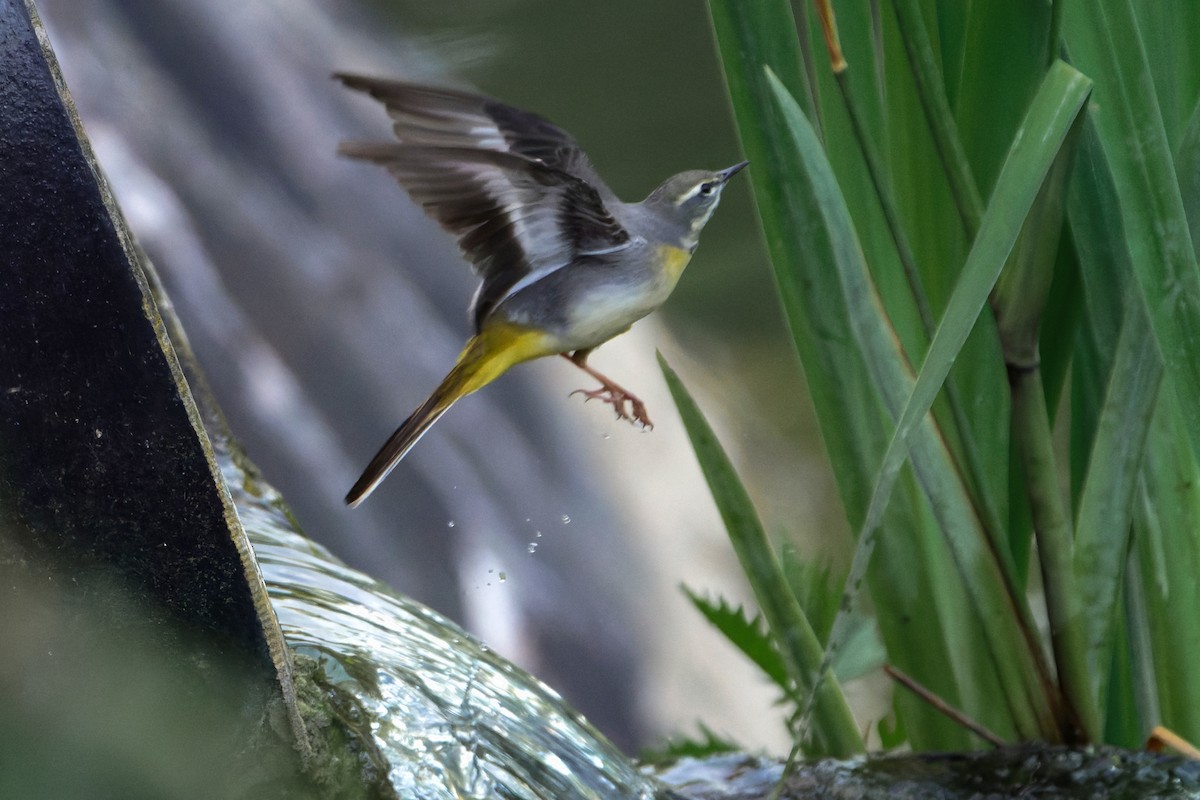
{"x": 503, "y": 576}
{"x": 537, "y": 534}
{"x": 566, "y": 519}
{"x": 606, "y": 436}
{"x": 533, "y": 546}
{"x": 450, "y": 524}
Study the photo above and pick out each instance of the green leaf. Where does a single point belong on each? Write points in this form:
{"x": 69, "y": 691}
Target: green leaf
{"x": 750, "y": 635}
{"x": 708, "y": 744}
{"x": 1168, "y": 32}
{"x": 1168, "y": 551}
{"x": 1007, "y": 45}
{"x": 750, "y": 36}
{"x": 1141, "y": 106}
{"x": 1106, "y": 505}
{"x": 894, "y": 735}
{"x": 854, "y": 423}
{"x": 819, "y": 594}
{"x": 922, "y": 61}
{"x": 1187, "y": 172}
{"x": 1020, "y": 296}
{"x": 1104, "y": 39}
{"x": 836, "y": 732}
{"x": 942, "y": 229}
{"x": 1106, "y": 278}
{"x": 1057, "y": 339}
{"x": 815, "y": 589}
{"x": 999, "y": 610}
{"x": 1019, "y": 300}
{"x": 863, "y": 651}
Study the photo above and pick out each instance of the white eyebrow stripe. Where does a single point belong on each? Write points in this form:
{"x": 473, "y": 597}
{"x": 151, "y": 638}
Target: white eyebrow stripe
{"x": 690, "y": 193}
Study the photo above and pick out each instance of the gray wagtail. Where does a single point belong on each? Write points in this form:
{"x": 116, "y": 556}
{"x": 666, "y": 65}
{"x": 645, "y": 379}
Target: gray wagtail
{"x": 565, "y": 265}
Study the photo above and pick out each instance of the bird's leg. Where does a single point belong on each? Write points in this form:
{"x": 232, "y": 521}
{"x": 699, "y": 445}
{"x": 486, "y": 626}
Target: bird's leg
{"x": 610, "y": 392}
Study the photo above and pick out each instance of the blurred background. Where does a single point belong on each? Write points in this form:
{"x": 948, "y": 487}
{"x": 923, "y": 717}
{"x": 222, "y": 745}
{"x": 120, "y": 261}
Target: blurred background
{"x": 324, "y": 306}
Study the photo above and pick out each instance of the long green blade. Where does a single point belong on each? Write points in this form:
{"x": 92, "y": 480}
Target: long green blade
{"x": 1049, "y": 119}
{"x": 835, "y": 733}
{"x": 1168, "y": 550}
{"x": 1106, "y": 505}
{"x": 919, "y": 583}
{"x": 1104, "y": 39}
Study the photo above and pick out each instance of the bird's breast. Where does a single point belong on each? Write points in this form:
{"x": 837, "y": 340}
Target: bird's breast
{"x": 672, "y": 260}
{"x": 607, "y": 299}
{"x": 592, "y": 300}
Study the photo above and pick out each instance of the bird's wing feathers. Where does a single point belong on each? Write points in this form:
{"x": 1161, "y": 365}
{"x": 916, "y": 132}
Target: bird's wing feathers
{"x": 516, "y": 189}
{"x": 516, "y": 220}
{"x": 426, "y": 115}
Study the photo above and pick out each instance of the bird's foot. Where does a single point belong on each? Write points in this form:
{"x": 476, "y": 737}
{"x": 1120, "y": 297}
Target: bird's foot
{"x": 617, "y": 397}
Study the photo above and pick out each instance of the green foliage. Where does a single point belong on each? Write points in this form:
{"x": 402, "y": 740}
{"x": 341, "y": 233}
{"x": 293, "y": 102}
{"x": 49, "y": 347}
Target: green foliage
{"x": 707, "y": 744}
{"x": 801, "y": 652}
{"x": 815, "y": 588}
{"x": 748, "y": 634}
{"x": 818, "y": 594}
{"x": 891, "y": 732}
{"x": 961, "y": 226}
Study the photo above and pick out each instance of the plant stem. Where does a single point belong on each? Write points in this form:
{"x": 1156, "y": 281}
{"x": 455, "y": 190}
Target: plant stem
{"x": 1052, "y": 526}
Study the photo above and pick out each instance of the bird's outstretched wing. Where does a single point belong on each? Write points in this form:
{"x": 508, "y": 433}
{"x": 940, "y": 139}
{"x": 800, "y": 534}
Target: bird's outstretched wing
{"x": 514, "y": 188}
{"x": 428, "y": 115}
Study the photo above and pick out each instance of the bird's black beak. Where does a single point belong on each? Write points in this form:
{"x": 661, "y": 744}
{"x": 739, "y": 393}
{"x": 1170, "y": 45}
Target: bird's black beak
{"x": 726, "y": 174}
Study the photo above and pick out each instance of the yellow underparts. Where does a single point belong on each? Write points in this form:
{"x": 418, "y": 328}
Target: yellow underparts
{"x": 673, "y": 260}
{"x": 493, "y": 352}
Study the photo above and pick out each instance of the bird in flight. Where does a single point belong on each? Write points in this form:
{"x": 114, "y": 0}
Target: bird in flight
{"x": 564, "y": 265}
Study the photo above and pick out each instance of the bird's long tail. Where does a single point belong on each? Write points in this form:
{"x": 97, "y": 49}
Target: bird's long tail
{"x": 485, "y": 358}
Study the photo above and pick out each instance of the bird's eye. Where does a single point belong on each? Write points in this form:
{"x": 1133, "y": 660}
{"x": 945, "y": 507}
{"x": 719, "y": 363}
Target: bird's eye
{"x": 707, "y": 188}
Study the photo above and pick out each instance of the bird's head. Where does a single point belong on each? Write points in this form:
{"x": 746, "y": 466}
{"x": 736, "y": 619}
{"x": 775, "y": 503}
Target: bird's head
{"x": 687, "y": 200}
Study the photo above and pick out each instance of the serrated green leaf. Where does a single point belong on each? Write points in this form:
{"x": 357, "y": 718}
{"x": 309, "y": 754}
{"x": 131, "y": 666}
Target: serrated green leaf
{"x": 674, "y": 748}
{"x": 749, "y": 635}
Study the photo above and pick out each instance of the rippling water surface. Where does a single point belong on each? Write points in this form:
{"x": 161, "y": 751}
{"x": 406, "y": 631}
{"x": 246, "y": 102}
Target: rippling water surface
{"x": 450, "y": 718}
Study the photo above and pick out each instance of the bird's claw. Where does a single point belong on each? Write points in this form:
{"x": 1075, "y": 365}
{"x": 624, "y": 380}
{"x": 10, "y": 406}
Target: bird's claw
{"x": 617, "y": 398}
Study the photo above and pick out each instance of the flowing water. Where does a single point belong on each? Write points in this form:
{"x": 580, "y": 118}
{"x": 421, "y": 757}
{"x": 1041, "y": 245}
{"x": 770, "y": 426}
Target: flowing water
{"x": 439, "y": 712}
